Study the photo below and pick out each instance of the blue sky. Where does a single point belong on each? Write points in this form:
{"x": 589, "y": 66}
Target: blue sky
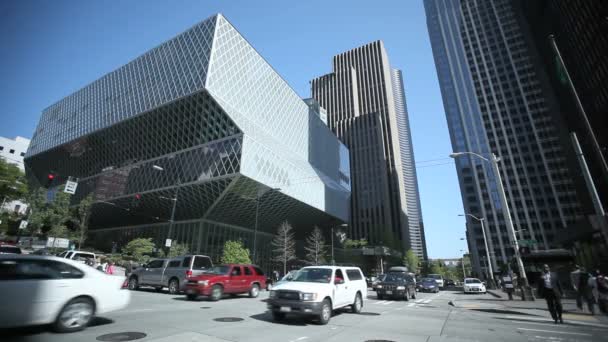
{"x": 50, "y": 49}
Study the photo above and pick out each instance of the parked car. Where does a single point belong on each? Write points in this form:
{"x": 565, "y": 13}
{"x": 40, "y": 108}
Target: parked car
{"x": 438, "y": 278}
{"x": 397, "y": 285}
{"x": 171, "y": 273}
{"x": 226, "y": 279}
{"x": 9, "y": 249}
{"x": 317, "y": 291}
{"x": 473, "y": 285}
{"x": 427, "y": 285}
{"x": 39, "y": 290}
{"x": 80, "y": 256}
{"x": 449, "y": 282}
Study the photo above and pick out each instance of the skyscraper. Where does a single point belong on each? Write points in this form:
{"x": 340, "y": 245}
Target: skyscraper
{"x": 495, "y": 102}
{"x": 199, "y": 141}
{"x": 366, "y": 109}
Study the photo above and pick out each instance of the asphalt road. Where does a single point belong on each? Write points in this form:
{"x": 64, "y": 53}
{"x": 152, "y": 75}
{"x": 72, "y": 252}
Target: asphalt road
{"x": 168, "y": 318}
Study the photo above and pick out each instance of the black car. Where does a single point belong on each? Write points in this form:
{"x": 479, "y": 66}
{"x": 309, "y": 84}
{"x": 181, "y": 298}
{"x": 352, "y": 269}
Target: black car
{"x": 449, "y": 282}
{"x": 427, "y": 285}
{"x": 396, "y": 285}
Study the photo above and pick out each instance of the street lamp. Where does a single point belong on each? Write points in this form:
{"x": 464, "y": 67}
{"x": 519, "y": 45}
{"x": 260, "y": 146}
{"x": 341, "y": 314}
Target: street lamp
{"x": 174, "y": 199}
{"x": 257, "y": 213}
{"x": 464, "y": 273}
{"x": 526, "y": 292}
{"x": 485, "y": 242}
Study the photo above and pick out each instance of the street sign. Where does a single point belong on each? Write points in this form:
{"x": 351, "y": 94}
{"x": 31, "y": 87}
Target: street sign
{"x": 57, "y": 242}
{"x": 70, "y": 187}
{"x": 23, "y": 224}
{"x": 168, "y": 243}
{"x": 527, "y": 242}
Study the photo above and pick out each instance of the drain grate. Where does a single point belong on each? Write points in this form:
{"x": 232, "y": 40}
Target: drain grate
{"x": 228, "y": 319}
{"x": 122, "y": 336}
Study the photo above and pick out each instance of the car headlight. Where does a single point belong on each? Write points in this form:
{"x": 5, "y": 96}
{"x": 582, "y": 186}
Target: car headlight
{"x": 378, "y": 286}
{"x": 431, "y": 286}
{"x": 203, "y": 282}
{"x": 308, "y": 296}
{"x": 273, "y": 294}
{"x": 400, "y": 287}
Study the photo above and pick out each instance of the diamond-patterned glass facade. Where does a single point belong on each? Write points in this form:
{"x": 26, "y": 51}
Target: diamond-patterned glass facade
{"x": 202, "y": 121}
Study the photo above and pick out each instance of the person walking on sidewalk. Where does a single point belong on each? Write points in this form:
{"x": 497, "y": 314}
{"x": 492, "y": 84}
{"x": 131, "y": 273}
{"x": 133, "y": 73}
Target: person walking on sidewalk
{"x": 575, "y": 279}
{"x": 550, "y": 289}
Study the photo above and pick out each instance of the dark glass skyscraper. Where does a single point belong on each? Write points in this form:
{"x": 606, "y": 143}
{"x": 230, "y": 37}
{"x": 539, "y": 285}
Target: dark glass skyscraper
{"x": 366, "y": 109}
{"x": 495, "y": 103}
{"x": 203, "y": 122}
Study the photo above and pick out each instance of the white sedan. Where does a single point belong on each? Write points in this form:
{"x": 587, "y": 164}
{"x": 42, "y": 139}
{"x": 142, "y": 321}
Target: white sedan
{"x": 49, "y": 290}
{"x": 473, "y": 285}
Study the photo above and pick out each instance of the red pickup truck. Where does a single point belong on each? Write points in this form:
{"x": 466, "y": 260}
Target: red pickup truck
{"x": 231, "y": 279}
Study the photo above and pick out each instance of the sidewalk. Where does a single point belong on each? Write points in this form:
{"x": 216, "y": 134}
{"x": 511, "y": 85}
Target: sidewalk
{"x": 534, "y": 310}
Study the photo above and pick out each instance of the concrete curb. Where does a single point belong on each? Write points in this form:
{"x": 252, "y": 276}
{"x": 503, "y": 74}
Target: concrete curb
{"x": 491, "y": 292}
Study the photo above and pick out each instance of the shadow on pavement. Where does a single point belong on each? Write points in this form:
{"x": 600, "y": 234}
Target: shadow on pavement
{"x": 21, "y": 333}
{"x": 289, "y": 320}
{"x": 502, "y": 311}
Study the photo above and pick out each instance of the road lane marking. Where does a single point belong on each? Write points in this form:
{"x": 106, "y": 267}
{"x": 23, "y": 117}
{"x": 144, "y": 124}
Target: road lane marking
{"x": 299, "y": 339}
{"x": 410, "y": 305}
{"x": 554, "y": 332}
{"x": 387, "y": 303}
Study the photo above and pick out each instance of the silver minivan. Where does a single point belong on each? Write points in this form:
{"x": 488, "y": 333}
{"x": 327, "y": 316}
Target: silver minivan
{"x": 171, "y": 273}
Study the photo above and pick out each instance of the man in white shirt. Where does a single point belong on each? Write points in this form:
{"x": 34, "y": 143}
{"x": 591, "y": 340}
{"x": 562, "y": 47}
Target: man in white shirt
{"x": 550, "y": 289}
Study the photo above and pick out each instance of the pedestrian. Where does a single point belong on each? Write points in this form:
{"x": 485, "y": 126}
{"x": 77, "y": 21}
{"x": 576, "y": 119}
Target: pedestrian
{"x": 110, "y": 268}
{"x": 128, "y": 268}
{"x": 602, "y": 292}
{"x": 593, "y": 297}
{"x": 550, "y": 289}
{"x": 575, "y": 278}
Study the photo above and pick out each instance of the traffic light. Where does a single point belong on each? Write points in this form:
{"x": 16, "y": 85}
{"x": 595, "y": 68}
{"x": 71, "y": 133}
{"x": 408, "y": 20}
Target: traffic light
{"x": 49, "y": 180}
{"x": 136, "y": 201}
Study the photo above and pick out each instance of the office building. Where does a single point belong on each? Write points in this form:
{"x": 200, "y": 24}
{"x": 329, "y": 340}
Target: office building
{"x": 366, "y": 109}
{"x": 495, "y": 102}
{"x": 202, "y": 129}
{"x": 13, "y": 151}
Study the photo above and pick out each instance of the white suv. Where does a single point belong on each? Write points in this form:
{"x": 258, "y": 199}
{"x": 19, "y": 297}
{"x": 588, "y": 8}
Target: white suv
{"x": 317, "y": 291}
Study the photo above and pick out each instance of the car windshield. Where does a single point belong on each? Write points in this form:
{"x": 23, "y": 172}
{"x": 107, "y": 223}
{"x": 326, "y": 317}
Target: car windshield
{"x": 218, "y": 270}
{"x": 472, "y": 281}
{"x": 313, "y": 275}
{"x": 394, "y": 277}
{"x": 429, "y": 281}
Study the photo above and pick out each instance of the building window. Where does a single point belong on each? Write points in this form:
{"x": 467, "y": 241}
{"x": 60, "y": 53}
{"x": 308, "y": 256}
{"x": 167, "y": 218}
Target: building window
{"x": 22, "y": 154}
{"x": 11, "y": 151}
{"x": 1, "y": 148}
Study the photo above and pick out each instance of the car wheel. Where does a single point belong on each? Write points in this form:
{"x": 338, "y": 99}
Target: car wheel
{"x": 414, "y": 295}
{"x": 191, "y": 296}
{"x": 173, "y": 286}
{"x": 216, "y": 293}
{"x": 325, "y": 315}
{"x": 278, "y": 316}
{"x": 75, "y": 315}
{"x": 407, "y": 295}
{"x": 254, "y": 291}
{"x": 357, "y": 304}
{"x": 133, "y": 284}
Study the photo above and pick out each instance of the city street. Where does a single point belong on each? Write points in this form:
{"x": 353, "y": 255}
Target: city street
{"x": 446, "y": 316}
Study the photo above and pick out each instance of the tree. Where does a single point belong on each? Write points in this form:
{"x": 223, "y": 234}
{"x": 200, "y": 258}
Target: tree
{"x": 284, "y": 245}
{"x": 176, "y": 249}
{"x": 411, "y": 260}
{"x": 349, "y": 243}
{"x": 235, "y": 253}
{"x": 13, "y": 185}
{"x": 436, "y": 267}
{"x": 139, "y": 249}
{"x": 80, "y": 218}
{"x": 315, "y": 248}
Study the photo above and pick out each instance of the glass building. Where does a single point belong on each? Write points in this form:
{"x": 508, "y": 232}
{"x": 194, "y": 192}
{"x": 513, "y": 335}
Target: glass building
{"x": 366, "y": 108}
{"x": 202, "y": 121}
{"x": 495, "y": 102}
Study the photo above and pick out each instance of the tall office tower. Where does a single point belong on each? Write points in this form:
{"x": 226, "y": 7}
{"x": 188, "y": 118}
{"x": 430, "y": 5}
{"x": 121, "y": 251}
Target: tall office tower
{"x": 199, "y": 141}
{"x": 579, "y": 31}
{"x": 366, "y": 109}
{"x": 495, "y": 103}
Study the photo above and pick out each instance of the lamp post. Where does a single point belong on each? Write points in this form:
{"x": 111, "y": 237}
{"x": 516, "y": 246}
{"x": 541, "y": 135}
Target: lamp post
{"x": 464, "y": 273}
{"x": 485, "y": 242}
{"x": 526, "y": 291}
{"x": 174, "y": 199}
{"x": 257, "y": 213}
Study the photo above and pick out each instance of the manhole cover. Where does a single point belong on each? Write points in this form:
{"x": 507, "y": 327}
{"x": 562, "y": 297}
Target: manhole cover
{"x": 369, "y": 314}
{"x": 228, "y": 319}
{"x": 205, "y": 307}
{"x": 122, "y": 336}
